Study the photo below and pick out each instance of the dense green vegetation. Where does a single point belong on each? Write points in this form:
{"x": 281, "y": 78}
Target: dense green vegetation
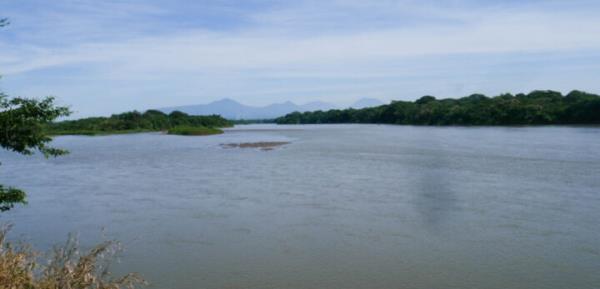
{"x": 194, "y": 130}
{"x": 128, "y": 122}
{"x": 535, "y": 108}
{"x": 22, "y": 123}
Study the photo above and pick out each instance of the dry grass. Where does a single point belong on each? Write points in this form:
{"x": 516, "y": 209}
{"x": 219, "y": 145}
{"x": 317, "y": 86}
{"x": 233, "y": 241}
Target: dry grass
{"x": 64, "y": 268}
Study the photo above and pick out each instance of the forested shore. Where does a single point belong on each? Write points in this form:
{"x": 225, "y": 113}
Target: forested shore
{"x": 152, "y": 120}
{"x": 535, "y": 108}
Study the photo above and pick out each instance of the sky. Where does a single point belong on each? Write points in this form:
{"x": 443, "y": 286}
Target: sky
{"x": 109, "y": 56}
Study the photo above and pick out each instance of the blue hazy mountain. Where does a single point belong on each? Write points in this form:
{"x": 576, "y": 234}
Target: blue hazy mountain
{"x": 366, "y": 102}
{"x": 231, "y": 109}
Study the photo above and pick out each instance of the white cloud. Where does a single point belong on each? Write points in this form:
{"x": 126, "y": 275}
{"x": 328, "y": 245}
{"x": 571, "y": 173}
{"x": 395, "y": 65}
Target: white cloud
{"x": 199, "y": 50}
{"x": 480, "y": 30}
{"x": 283, "y": 51}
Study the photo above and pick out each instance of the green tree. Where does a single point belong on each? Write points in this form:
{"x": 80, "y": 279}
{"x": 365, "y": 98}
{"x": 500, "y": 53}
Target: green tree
{"x": 22, "y": 122}
{"x": 540, "y": 107}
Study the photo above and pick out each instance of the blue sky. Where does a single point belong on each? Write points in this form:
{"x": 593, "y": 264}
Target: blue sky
{"x": 103, "y": 57}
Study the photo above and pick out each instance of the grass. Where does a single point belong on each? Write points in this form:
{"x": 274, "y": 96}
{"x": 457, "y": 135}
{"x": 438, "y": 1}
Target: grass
{"x": 194, "y": 130}
{"x": 64, "y": 268}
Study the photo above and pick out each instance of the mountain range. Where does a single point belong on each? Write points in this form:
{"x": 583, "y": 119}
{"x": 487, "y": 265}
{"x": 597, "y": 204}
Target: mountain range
{"x": 231, "y": 109}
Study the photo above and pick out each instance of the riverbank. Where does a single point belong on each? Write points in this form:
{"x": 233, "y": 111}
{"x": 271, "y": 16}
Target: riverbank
{"x": 194, "y": 131}
{"x": 137, "y": 122}
{"x": 99, "y": 133}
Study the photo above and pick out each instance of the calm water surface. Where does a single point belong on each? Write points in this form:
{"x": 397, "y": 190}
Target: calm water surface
{"x": 341, "y": 206}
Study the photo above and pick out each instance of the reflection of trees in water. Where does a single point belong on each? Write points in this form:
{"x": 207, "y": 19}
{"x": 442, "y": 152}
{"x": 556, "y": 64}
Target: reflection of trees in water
{"x": 435, "y": 198}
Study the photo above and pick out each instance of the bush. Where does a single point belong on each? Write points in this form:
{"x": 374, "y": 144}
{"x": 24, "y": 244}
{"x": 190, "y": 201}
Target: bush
{"x": 64, "y": 268}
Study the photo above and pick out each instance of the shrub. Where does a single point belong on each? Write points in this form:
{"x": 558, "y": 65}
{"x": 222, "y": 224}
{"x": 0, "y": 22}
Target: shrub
{"x": 64, "y": 268}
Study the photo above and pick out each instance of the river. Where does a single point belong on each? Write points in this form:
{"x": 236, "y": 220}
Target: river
{"x": 340, "y": 206}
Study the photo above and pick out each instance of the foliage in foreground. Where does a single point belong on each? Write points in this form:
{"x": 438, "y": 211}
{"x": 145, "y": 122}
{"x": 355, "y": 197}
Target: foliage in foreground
{"x": 22, "y": 123}
{"x": 535, "y": 108}
{"x": 64, "y": 268}
{"x": 151, "y": 120}
{"x": 9, "y": 197}
{"x": 191, "y": 130}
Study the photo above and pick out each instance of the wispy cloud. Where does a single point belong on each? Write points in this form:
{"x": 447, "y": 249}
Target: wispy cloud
{"x": 273, "y": 51}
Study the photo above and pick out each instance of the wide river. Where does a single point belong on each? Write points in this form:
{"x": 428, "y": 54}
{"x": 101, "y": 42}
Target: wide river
{"x": 340, "y": 206}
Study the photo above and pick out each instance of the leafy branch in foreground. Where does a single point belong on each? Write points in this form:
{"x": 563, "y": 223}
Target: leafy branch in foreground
{"x": 22, "y": 130}
{"x": 23, "y": 121}
{"x": 9, "y": 197}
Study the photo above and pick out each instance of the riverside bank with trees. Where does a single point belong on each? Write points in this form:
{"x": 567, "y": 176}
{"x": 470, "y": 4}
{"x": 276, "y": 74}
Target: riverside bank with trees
{"x": 152, "y": 120}
{"x": 536, "y": 108}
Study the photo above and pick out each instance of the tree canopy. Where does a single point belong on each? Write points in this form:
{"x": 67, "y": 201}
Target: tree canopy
{"x": 22, "y": 130}
{"x": 132, "y": 121}
{"x": 535, "y": 108}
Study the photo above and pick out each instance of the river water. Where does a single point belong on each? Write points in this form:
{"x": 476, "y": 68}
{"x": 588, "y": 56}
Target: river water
{"x": 340, "y": 206}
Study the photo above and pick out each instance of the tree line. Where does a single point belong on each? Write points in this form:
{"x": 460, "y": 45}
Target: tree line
{"x": 151, "y": 120}
{"x": 535, "y": 108}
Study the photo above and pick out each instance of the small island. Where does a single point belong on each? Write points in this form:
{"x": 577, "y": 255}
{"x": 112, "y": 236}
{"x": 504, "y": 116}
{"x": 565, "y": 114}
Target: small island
{"x": 177, "y": 123}
{"x": 262, "y": 145}
{"x": 194, "y": 130}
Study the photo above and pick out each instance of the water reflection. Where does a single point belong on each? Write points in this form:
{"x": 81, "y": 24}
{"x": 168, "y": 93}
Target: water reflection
{"x": 435, "y": 197}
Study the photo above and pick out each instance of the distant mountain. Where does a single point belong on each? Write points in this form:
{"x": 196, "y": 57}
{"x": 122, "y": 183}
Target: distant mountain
{"x": 318, "y": 105}
{"x": 231, "y": 109}
{"x": 366, "y": 102}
